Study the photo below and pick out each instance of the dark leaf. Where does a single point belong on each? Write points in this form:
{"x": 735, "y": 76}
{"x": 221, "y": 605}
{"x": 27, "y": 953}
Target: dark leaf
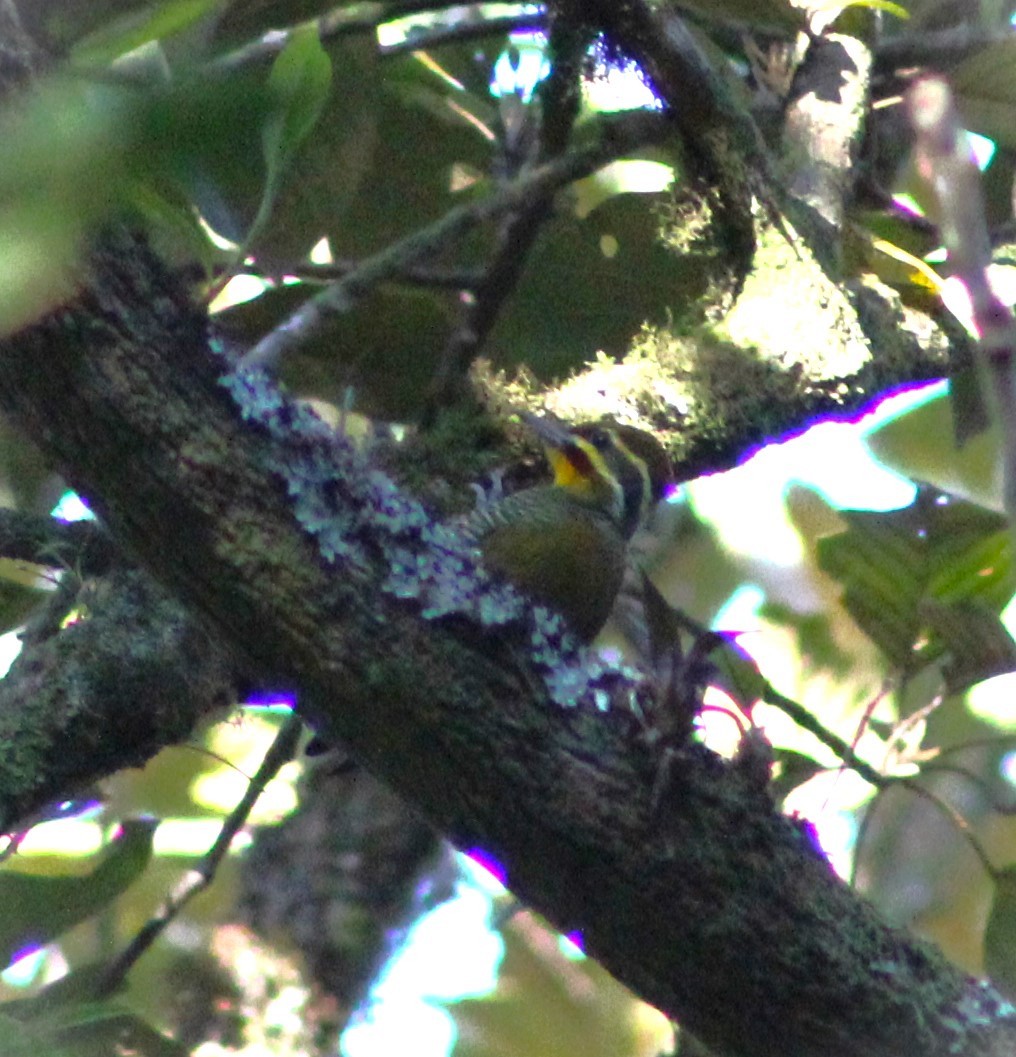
{"x": 1000, "y": 932}
{"x": 940, "y": 550}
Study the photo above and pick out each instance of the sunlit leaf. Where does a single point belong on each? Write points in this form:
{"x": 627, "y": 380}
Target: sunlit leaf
{"x": 897, "y": 10}
{"x": 921, "y": 445}
{"x": 792, "y": 769}
{"x": 815, "y": 637}
{"x": 737, "y": 673}
{"x": 37, "y": 909}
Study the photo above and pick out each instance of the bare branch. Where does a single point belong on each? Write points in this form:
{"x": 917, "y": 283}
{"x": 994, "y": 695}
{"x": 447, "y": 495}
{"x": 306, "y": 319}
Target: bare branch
{"x": 199, "y": 878}
{"x": 945, "y": 160}
{"x": 619, "y": 137}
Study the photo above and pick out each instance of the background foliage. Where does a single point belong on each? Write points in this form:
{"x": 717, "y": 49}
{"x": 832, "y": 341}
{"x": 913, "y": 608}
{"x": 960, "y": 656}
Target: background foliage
{"x": 273, "y": 151}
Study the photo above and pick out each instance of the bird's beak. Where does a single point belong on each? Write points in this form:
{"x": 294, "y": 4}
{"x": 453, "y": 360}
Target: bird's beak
{"x": 568, "y": 456}
{"x": 552, "y": 431}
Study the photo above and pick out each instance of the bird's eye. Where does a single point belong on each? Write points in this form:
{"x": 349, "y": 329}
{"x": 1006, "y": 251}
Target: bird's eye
{"x": 600, "y": 439}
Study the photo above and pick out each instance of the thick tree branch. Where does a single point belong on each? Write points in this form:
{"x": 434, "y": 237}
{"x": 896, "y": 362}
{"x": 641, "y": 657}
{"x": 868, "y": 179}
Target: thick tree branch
{"x": 709, "y": 903}
{"x": 133, "y": 673}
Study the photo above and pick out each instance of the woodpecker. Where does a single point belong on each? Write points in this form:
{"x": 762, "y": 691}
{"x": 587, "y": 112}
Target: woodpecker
{"x": 564, "y": 544}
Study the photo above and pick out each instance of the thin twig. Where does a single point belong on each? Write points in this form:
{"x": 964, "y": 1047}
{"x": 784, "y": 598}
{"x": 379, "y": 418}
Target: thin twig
{"x": 415, "y": 275}
{"x": 804, "y": 719}
{"x": 199, "y": 878}
{"x": 342, "y": 21}
{"x": 620, "y": 136}
{"x": 437, "y": 36}
{"x": 554, "y": 111}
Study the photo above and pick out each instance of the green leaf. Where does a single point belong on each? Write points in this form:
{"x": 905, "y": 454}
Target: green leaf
{"x": 978, "y": 644}
{"x": 925, "y": 444}
{"x": 415, "y": 105}
{"x": 985, "y": 89}
{"x": 915, "y": 579}
{"x": 111, "y": 1029}
{"x": 76, "y": 150}
{"x": 298, "y": 87}
{"x": 793, "y": 769}
{"x": 1000, "y": 932}
{"x": 815, "y": 637}
{"x": 83, "y": 1029}
{"x": 737, "y": 673}
{"x": 79, "y": 987}
{"x": 243, "y": 22}
{"x": 154, "y": 22}
{"x": 20, "y": 593}
{"x": 875, "y": 5}
{"x": 38, "y": 909}
{"x": 591, "y": 283}
{"x": 20, "y": 1040}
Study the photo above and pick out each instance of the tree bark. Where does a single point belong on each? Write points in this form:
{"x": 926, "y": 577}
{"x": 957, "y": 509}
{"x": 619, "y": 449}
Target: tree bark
{"x": 710, "y": 904}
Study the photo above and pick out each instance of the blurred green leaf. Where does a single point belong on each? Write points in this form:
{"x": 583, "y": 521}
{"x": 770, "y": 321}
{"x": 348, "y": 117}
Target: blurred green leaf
{"x": 814, "y": 636}
{"x": 1000, "y": 932}
{"x": 63, "y": 22}
{"x": 546, "y": 1004}
{"x": 911, "y": 576}
{"x": 298, "y": 87}
{"x": 978, "y": 643}
{"x": 985, "y": 89}
{"x": 21, "y": 1040}
{"x": 83, "y": 1029}
{"x": 20, "y": 593}
{"x": 875, "y": 5}
{"x": 737, "y": 673}
{"x": 138, "y": 27}
{"x": 78, "y": 987}
{"x": 920, "y": 444}
{"x": 74, "y": 154}
{"x": 407, "y": 187}
{"x": 38, "y": 909}
{"x": 108, "y": 1029}
{"x": 246, "y": 20}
